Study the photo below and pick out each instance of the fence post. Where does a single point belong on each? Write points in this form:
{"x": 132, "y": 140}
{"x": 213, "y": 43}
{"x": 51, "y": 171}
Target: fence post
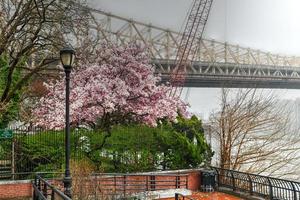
{"x": 147, "y": 184}
{"x": 124, "y": 185}
{"x": 52, "y": 195}
{"x": 13, "y": 170}
{"x": 34, "y": 192}
{"x": 115, "y": 183}
{"x": 218, "y": 177}
{"x": 294, "y": 191}
{"x": 177, "y": 182}
{"x": 270, "y": 189}
{"x": 233, "y": 181}
{"x": 39, "y": 184}
{"x": 187, "y": 181}
{"x": 34, "y": 195}
{"x": 45, "y": 190}
{"x": 152, "y": 183}
{"x": 251, "y": 184}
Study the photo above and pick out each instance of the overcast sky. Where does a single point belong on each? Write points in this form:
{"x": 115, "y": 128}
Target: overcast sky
{"x": 269, "y": 25}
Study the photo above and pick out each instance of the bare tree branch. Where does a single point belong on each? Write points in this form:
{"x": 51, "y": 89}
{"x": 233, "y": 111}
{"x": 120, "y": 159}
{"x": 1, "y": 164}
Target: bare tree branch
{"x": 255, "y": 134}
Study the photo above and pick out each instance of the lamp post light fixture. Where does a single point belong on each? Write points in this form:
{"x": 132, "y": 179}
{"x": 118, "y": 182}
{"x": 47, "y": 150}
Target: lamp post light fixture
{"x": 67, "y": 56}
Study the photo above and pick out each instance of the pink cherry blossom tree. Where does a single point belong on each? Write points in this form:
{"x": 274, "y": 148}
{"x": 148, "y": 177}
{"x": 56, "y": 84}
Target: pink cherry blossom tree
{"x": 114, "y": 85}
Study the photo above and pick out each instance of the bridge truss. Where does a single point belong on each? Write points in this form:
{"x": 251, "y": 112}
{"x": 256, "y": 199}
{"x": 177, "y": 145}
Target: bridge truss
{"x": 216, "y": 64}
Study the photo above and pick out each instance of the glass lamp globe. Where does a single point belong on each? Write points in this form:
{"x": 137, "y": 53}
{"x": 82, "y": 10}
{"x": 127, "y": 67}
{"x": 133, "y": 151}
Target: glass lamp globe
{"x": 67, "y": 57}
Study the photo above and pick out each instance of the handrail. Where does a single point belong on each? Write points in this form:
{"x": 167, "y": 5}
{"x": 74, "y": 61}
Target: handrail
{"x": 110, "y": 184}
{"x": 124, "y": 184}
{"x": 37, "y": 194}
{"x": 259, "y": 185}
{"x": 41, "y": 187}
{"x": 251, "y": 174}
{"x": 139, "y": 174}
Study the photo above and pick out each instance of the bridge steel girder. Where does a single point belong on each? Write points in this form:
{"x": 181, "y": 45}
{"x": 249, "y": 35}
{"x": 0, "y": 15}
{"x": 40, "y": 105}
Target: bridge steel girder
{"x": 229, "y": 75}
{"x": 229, "y": 82}
{"x": 163, "y": 43}
{"x": 217, "y": 64}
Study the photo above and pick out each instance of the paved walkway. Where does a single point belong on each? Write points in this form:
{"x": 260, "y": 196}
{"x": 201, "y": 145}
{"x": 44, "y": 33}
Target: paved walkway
{"x": 210, "y": 196}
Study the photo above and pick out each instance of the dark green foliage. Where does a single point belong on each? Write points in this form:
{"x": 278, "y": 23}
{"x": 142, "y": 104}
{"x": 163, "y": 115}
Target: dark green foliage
{"x": 40, "y": 152}
{"x": 130, "y": 148}
{"x": 5, "y": 149}
{"x": 141, "y": 148}
{"x": 184, "y": 144}
{"x": 44, "y": 151}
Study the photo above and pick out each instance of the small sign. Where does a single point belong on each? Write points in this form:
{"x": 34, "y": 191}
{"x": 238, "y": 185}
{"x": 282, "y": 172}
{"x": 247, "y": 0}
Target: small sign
{"x": 6, "y": 134}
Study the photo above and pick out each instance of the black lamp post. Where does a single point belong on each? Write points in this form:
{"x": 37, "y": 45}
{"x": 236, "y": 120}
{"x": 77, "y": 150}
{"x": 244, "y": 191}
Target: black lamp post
{"x": 67, "y": 56}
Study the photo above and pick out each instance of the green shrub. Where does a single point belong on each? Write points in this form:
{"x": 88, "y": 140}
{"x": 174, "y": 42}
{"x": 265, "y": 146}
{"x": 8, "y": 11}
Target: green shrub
{"x": 130, "y": 148}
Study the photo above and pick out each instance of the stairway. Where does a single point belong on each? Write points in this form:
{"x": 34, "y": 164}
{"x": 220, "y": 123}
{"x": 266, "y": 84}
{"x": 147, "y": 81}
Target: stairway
{"x": 5, "y": 169}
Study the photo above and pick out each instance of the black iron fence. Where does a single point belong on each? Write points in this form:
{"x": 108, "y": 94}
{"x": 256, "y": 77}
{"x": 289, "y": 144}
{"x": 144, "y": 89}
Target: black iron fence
{"x": 30, "y": 151}
{"x": 35, "y": 150}
{"x": 263, "y": 186}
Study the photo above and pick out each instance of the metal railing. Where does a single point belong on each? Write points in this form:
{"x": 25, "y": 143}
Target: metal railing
{"x": 124, "y": 186}
{"x": 44, "y": 190}
{"x": 179, "y": 196}
{"x": 108, "y": 185}
{"x": 263, "y": 186}
{"x": 127, "y": 184}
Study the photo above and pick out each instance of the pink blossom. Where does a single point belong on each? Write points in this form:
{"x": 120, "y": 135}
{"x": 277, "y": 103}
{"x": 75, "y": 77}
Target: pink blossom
{"x": 115, "y": 80}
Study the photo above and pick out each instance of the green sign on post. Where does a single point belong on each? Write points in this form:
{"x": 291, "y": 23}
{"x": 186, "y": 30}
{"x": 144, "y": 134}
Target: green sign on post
{"x": 6, "y": 134}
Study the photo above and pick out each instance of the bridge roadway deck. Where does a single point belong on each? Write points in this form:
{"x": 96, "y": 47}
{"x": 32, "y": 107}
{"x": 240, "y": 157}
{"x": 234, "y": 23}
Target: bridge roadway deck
{"x": 229, "y": 75}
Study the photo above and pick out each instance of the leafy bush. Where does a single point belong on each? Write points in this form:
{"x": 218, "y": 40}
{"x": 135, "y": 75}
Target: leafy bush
{"x": 45, "y": 151}
{"x": 141, "y": 148}
{"x": 130, "y": 148}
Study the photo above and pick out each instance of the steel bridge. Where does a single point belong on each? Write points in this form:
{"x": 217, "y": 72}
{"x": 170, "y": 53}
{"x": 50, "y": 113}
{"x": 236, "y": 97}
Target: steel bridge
{"x": 216, "y": 64}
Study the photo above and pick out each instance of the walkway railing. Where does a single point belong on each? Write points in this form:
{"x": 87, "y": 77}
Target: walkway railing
{"x": 263, "y": 186}
{"x": 44, "y": 190}
{"x": 126, "y": 184}
{"x": 109, "y": 185}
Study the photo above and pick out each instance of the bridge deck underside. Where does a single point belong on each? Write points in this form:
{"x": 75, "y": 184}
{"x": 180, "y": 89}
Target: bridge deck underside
{"x": 202, "y": 74}
{"x": 222, "y": 82}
